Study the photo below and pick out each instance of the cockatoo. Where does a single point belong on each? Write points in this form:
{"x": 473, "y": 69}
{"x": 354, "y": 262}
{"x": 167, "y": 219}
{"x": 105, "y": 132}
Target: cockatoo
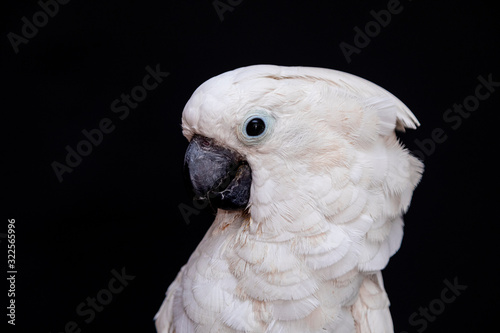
{"x": 310, "y": 184}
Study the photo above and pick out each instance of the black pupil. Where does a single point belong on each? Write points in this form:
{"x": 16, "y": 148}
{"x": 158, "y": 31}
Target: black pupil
{"x": 255, "y": 127}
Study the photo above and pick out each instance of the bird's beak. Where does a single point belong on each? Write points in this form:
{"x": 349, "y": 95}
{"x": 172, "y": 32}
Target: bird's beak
{"x": 217, "y": 175}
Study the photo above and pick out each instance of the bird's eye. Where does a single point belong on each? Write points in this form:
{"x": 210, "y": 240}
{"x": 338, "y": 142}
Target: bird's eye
{"x": 255, "y": 126}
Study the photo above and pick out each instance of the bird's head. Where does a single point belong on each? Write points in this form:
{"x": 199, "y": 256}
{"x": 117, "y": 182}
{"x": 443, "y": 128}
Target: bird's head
{"x": 263, "y": 133}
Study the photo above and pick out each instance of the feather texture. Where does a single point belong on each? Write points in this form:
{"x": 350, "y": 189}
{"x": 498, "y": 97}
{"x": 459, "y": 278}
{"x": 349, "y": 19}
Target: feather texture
{"x": 330, "y": 184}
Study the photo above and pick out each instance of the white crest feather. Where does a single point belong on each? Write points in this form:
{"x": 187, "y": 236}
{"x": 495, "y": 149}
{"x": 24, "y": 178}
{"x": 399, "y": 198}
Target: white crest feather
{"x": 330, "y": 183}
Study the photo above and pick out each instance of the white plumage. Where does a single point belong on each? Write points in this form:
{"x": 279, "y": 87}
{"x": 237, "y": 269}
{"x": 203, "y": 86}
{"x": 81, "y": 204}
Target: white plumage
{"x": 330, "y": 183}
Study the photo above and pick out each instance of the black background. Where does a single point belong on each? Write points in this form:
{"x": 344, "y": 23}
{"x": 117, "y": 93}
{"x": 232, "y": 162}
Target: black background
{"x": 120, "y": 207}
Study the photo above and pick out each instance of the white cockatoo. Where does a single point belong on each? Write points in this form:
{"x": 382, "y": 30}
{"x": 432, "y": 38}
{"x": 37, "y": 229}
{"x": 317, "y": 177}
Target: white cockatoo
{"x": 310, "y": 184}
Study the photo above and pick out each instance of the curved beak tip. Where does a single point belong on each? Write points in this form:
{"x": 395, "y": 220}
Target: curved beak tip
{"x": 217, "y": 175}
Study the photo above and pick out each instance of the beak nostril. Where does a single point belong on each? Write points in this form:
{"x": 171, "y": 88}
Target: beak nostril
{"x": 205, "y": 143}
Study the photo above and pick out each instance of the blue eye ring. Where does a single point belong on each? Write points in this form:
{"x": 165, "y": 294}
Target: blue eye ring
{"x": 256, "y": 127}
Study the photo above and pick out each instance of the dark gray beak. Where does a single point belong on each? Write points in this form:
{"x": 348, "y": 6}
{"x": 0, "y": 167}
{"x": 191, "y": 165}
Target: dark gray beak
{"x": 217, "y": 176}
